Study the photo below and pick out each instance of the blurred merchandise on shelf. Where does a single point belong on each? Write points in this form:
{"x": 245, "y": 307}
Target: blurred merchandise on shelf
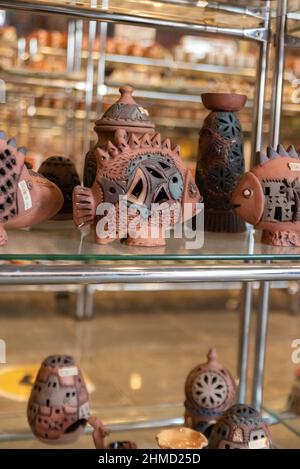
{"x": 294, "y": 397}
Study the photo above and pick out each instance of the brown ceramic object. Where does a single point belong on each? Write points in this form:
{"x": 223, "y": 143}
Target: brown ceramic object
{"x": 220, "y": 162}
{"x": 143, "y": 169}
{"x": 58, "y": 407}
{"x": 100, "y": 432}
{"x": 26, "y": 198}
{"x": 180, "y": 438}
{"x": 241, "y": 427}
{"x": 294, "y": 397}
{"x": 209, "y": 391}
{"x": 62, "y": 172}
{"x": 268, "y": 196}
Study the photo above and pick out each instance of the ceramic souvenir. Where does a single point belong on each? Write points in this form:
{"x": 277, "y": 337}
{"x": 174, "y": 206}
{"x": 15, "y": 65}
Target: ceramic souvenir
{"x": 180, "y": 438}
{"x": 100, "y": 432}
{"x": 209, "y": 391}
{"x": 294, "y": 398}
{"x": 62, "y": 172}
{"x": 220, "y": 162}
{"x": 268, "y": 196}
{"x": 143, "y": 170}
{"x": 241, "y": 427}
{"x": 58, "y": 407}
{"x": 26, "y": 198}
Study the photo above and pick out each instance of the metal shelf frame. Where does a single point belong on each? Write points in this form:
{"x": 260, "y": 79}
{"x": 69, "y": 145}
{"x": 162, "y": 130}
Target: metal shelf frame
{"x": 241, "y": 272}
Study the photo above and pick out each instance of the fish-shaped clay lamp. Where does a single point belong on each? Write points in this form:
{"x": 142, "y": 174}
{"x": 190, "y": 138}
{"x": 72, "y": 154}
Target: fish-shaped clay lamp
{"x": 268, "y": 196}
{"x": 26, "y": 197}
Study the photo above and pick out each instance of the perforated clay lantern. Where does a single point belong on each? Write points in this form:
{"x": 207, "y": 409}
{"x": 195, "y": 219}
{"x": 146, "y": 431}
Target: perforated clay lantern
{"x": 136, "y": 166}
{"x": 268, "y": 196}
{"x": 241, "y": 427}
{"x": 26, "y": 197}
{"x": 58, "y": 407}
{"x": 209, "y": 391}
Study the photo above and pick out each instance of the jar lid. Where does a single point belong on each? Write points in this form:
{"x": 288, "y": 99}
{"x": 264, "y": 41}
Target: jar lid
{"x": 125, "y": 113}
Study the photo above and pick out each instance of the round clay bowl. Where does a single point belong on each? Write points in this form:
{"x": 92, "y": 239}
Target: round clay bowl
{"x": 180, "y": 438}
{"x": 229, "y": 102}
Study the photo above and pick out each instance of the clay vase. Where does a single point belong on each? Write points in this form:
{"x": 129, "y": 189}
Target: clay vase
{"x": 268, "y": 196}
{"x": 135, "y": 172}
{"x": 294, "y": 397}
{"x": 220, "y": 162}
{"x": 26, "y": 198}
{"x": 180, "y": 438}
{"x": 62, "y": 172}
{"x": 58, "y": 407}
{"x": 241, "y": 427}
{"x": 209, "y": 391}
{"x": 125, "y": 113}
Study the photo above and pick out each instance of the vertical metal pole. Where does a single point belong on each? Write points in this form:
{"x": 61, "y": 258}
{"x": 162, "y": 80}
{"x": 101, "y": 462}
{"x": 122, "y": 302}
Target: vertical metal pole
{"x": 78, "y": 45}
{"x": 101, "y": 68}
{"x": 71, "y": 46}
{"x": 263, "y": 309}
{"x": 247, "y": 289}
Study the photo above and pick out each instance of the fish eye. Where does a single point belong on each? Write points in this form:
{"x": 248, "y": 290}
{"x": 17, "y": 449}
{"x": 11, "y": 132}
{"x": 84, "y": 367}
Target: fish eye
{"x": 247, "y": 193}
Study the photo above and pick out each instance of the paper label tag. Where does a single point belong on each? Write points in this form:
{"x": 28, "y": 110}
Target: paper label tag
{"x": 258, "y": 444}
{"x": 294, "y": 166}
{"x": 68, "y": 371}
{"x": 25, "y": 194}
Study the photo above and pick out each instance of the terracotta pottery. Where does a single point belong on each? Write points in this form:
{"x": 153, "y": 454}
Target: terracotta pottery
{"x": 209, "y": 391}
{"x": 180, "y": 438}
{"x": 220, "y": 162}
{"x": 137, "y": 173}
{"x": 294, "y": 397}
{"x": 268, "y": 196}
{"x": 26, "y": 198}
{"x": 101, "y": 432}
{"x": 241, "y": 427}
{"x": 58, "y": 407}
{"x": 62, "y": 172}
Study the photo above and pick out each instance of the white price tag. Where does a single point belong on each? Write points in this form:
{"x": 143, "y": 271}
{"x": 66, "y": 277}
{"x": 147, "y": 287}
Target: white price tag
{"x": 258, "y": 444}
{"x": 68, "y": 371}
{"x": 294, "y": 166}
{"x": 25, "y": 194}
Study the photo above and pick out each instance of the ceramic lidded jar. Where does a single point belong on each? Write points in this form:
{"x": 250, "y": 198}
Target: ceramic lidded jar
{"x": 241, "y": 427}
{"x": 209, "y": 391}
{"x": 141, "y": 188}
{"x": 268, "y": 196}
{"x": 220, "y": 162}
{"x": 58, "y": 407}
{"x": 62, "y": 172}
{"x": 125, "y": 113}
{"x": 26, "y": 197}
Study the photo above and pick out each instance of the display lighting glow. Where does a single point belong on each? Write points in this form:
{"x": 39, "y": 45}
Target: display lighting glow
{"x": 202, "y": 4}
{"x": 136, "y": 381}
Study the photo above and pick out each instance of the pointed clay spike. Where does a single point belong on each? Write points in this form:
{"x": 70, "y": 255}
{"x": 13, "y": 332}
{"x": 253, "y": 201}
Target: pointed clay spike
{"x": 12, "y": 142}
{"x": 134, "y": 141}
{"x": 2, "y": 135}
{"x": 101, "y": 153}
{"x": 145, "y": 140}
{"x": 112, "y": 150}
{"x": 271, "y": 153}
{"x": 281, "y": 150}
{"x": 261, "y": 158}
{"x": 166, "y": 144}
{"x": 23, "y": 150}
{"x": 212, "y": 355}
{"x": 156, "y": 140}
{"x": 292, "y": 151}
{"x": 176, "y": 150}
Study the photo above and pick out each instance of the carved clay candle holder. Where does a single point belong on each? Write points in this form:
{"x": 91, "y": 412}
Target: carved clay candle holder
{"x": 209, "y": 390}
{"x": 294, "y": 397}
{"x": 124, "y": 113}
{"x": 58, "y": 407}
{"x": 26, "y": 198}
{"x": 145, "y": 172}
{"x": 268, "y": 196}
{"x": 180, "y": 438}
{"x": 241, "y": 427}
{"x": 62, "y": 172}
{"x": 220, "y": 162}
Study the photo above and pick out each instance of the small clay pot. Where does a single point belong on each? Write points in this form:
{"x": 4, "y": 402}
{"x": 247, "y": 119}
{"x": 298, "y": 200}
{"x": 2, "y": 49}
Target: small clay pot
{"x": 181, "y": 438}
{"x": 229, "y": 102}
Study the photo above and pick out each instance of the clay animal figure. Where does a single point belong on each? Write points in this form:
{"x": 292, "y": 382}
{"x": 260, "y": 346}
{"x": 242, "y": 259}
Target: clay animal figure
{"x": 220, "y": 162}
{"x": 209, "y": 391}
{"x": 241, "y": 427}
{"x": 145, "y": 172}
{"x": 268, "y": 196}
{"x": 58, "y": 407}
{"x": 26, "y": 197}
{"x": 62, "y": 172}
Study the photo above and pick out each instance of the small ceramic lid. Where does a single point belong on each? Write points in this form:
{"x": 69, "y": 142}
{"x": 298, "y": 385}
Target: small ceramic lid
{"x": 125, "y": 113}
{"x": 227, "y": 102}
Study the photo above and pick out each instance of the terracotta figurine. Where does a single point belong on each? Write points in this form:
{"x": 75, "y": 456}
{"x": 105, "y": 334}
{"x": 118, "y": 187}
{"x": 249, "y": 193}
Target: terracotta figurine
{"x": 220, "y": 162}
{"x": 26, "y": 198}
{"x": 268, "y": 196}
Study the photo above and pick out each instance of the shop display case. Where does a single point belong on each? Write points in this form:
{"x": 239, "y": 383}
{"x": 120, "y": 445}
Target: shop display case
{"x": 69, "y": 100}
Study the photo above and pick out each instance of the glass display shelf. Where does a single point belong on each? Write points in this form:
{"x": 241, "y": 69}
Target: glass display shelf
{"x": 277, "y": 411}
{"x": 55, "y": 240}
